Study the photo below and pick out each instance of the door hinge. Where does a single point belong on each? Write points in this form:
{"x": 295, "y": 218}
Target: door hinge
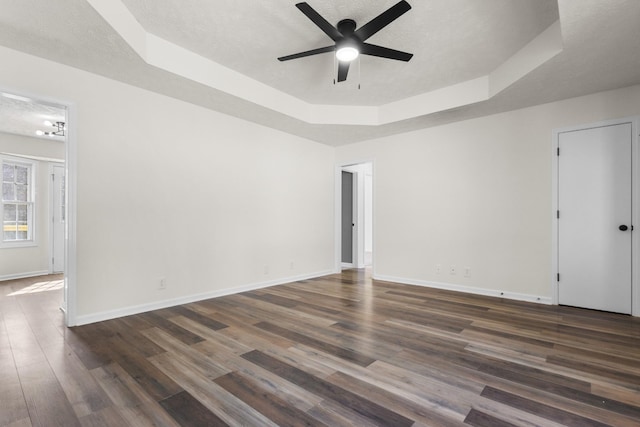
{"x": 558, "y": 151}
{"x": 558, "y": 278}
{"x": 558, "y": 214}
{"x": 53, "y": 177}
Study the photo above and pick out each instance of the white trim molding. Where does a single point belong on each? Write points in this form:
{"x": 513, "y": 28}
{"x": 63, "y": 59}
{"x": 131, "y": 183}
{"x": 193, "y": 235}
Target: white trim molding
{"x": 70, "y": 246}
{"x": 467, "y": 289}
{"x": 157, "y": 305}
{"x": 24, "y": 275}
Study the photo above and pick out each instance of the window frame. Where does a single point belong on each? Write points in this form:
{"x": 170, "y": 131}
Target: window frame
{"x": 31, "y": 203}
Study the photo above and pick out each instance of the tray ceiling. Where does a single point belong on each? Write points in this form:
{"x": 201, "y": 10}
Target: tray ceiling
{"x": 471, "y": 58}
{"x": 452, "y": 41}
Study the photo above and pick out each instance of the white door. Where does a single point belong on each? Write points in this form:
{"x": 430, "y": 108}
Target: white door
{"x": 594, "y": 226}
{"x": 57, "y": 218}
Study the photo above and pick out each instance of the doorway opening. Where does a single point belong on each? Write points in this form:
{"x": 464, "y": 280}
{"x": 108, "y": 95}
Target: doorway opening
{"x": 355, "y": 224}
{"x": 35, "y": 136}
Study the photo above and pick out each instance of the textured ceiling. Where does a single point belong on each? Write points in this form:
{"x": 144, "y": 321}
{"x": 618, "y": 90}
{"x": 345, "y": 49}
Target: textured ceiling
{"x": 24, "y": 116}
{"x": 453, "y": 40}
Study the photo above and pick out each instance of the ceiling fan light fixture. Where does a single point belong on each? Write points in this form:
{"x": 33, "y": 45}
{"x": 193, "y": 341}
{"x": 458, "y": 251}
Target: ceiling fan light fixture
{"x": 347, "y": 53}
{"x": 350, "y": 40}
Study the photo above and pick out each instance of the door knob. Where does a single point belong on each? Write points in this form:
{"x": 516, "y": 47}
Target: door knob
{"x": 623, "y": 228}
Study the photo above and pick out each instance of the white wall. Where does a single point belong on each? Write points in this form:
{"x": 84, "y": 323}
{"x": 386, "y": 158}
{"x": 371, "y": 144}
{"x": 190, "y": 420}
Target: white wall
{"x": 168, "y": 189}
{"x": 31, "y": 260}
{"x": 27, "y": 146}
{"x": 208, "y": 201}
{"x": 475, "y": 194}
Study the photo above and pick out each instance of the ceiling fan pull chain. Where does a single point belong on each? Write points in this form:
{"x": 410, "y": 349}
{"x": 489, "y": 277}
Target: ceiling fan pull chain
{"x": 359, "y": 68}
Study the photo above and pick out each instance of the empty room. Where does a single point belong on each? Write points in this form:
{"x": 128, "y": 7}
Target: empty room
{"x": 327, "y": 213}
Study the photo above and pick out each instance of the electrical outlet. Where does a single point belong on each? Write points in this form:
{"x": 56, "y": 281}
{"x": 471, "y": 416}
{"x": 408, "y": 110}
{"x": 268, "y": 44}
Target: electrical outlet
{"x": 438, "y": 268}
{"x": 292, "y": 265}
{"x": 266, "y": 269}
{"x": 162, "y": 285}
{"x": 452, "y": 270}
{"x": 467, "y": 272}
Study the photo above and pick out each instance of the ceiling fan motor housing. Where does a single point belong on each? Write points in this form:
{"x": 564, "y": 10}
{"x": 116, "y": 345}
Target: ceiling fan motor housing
{"x": 349, "y": 39}
{"x": 347, "y": 27}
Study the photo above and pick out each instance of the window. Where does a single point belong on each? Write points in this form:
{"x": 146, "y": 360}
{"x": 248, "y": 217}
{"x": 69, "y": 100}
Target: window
{"x": 17, "y": 202}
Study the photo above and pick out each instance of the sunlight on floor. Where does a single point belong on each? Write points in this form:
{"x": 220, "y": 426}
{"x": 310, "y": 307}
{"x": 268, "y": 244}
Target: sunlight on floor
{"x": 39, "y": 287}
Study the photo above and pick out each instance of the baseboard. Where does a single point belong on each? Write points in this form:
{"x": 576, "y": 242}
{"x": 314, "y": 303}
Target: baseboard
{"x": 157, "y": 305}
{"x": 467, "y": 289}
{"x": 24, "y": 275}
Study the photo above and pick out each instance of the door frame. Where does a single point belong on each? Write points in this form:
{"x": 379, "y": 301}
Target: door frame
{"x": 52, "y": 165}
{"x": 354, "y": 215}
{"x": 635, "y": 205}
{"x": 71, "y": 173}
{"x": 358, "y": 215}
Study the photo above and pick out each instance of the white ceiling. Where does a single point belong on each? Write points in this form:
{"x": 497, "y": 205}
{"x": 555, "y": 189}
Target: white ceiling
{"x": 25, "y": 116}
{"x": 442, "y": 34}
{"x": 453, "y": 41}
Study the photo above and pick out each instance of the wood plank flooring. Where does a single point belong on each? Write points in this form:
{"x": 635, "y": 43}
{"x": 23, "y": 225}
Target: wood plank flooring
{"x": 334, "y": 351}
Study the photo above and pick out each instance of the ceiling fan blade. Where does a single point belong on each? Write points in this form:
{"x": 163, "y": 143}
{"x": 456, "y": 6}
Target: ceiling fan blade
{"x": 308, "y": 53}
{"x": 384, "y": 52}
{"x": 382, "y": 20}
{"x": 322, "y": 23}
{"x": 343, "y": 70}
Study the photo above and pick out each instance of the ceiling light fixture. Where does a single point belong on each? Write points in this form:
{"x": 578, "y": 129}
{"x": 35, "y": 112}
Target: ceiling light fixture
{"x": 347, "y": 53}
{"x": 60, "y": 129}
{"x": 350, "y": 41}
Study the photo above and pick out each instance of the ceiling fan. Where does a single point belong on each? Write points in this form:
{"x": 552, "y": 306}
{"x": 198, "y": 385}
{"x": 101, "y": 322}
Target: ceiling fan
{"x": 349, "y": 42}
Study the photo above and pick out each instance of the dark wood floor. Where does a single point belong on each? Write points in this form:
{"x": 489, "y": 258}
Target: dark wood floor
{"x": 339, "y": 350}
